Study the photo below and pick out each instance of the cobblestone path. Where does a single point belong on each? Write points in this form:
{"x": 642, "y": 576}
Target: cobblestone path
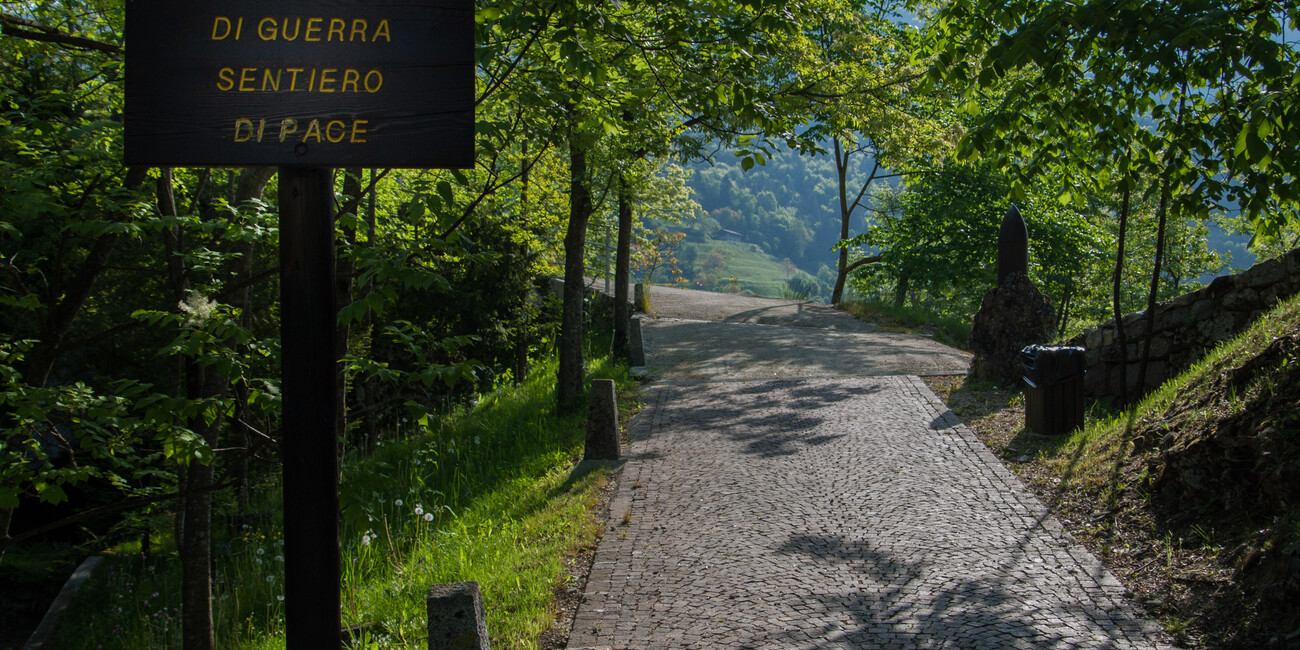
{"x": 852, "y": 512}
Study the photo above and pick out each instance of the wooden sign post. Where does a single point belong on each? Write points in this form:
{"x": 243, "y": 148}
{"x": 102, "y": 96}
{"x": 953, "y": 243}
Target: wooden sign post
{"x": 306, "y": 85}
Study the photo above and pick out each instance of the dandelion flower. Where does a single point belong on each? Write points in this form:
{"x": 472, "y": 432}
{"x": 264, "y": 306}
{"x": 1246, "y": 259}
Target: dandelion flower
{"x": 280, "y": 598}
{"x": 270, "y": 578}
{"x": 261, "y": 551}
{"x": 398, "y": 503}
{"x": 365, "y": 540}
{"x": 419, "y": 509}
{"x": 428, "y": 516}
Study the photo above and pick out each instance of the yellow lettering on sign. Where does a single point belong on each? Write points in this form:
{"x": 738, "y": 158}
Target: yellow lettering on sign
{"x": 249, "y": 129}
{"x": 269, "y": 82}
{"x": 313, "y": 27}
{"x": 225, "y": 79}
{"x": 327, "y": 80}
{"x": 358, "y": 29}
{"x": 221, "y": 28}
{"x": 288, "y": 127}
{"x": 243, "y": 129}
{"x": 284, "y": 29}
{"x": 336, "y": 27}
{"x": 270, "y": 28}
{"x": 313, "y": 130}
{"x": 319, "y": 80}
{"x": 350, "y": 78}
{"x": 329, "y": 131}
{"x": 220, "y": 25}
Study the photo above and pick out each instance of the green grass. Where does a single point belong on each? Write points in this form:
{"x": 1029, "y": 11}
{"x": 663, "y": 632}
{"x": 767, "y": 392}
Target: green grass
{"x": 485, "y": 494}
{"x": 949, "y": 330}
{"x": 1092, "y": 454}
{"x": 755, "y": 270}
{"x": 1196, "y": 472}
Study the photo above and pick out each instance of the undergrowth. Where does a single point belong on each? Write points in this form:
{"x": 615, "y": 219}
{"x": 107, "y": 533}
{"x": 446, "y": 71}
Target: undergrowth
{"x": 1197, "y": 491}
{"x": 950, "y": 330}
{"x": 486, "y": 494}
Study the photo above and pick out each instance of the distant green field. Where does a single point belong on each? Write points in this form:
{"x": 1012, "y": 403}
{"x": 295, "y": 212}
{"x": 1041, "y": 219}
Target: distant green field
{"x": 755, "y": 270}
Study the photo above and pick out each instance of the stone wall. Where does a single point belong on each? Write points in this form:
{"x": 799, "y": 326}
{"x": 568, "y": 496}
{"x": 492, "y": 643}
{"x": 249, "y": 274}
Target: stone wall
{"x": 1186, "y": 327}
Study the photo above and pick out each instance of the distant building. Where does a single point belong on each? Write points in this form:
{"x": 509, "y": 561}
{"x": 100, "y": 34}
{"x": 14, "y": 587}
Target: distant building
{"x": 729, "y": 235}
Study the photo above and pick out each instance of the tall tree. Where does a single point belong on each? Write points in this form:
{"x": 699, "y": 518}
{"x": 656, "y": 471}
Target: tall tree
{"x": 1196, "y": 96}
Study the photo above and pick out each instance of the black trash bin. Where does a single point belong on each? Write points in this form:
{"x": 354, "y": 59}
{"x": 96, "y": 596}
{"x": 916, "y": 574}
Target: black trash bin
{"x": 1054, "y": 388}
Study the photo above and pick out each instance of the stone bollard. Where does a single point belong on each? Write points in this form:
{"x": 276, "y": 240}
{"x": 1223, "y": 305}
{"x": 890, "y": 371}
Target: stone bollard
{"x": 640, "y": 299}
{"x": 1013, "y": 246}
{"x": 456, "y": 617}
{"x": 636, "y": 344}
{"x": 602, "y": 423}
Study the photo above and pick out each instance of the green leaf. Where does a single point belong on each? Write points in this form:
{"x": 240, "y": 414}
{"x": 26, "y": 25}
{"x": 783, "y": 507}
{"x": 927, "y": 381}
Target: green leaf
{"x": 444, "y": 190}
{"x": 8, "y": 497}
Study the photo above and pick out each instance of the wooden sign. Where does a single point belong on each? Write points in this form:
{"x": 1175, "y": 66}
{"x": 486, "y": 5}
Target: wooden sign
{"x": 323, "y": 83}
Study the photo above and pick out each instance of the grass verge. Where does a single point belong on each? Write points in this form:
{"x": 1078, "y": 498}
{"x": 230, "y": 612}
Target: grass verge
{"x": 486, "y": 494}
{"x": 1191, "y": 497}
{"x": 952, "y": 331}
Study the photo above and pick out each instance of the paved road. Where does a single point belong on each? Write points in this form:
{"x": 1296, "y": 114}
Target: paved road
{"x": 841, "y": 510}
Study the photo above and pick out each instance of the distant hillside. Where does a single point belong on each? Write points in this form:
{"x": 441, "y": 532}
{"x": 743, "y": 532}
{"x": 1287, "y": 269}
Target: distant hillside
{"x": 711, "y": 264}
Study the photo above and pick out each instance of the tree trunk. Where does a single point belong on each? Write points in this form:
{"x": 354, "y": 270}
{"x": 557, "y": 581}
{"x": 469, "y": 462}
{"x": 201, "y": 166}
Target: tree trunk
{"x": 1154, "y": 291}
{"x": 570, "y": 374}
{"x": 622, "y": 264}
{"x": 1119, "y": 314}
{"x": 367, "y": 327}
{"x": 522, "y": 322}
{"x": 843, "y": 268}
{"x": 195, "y": 521}
{"x": 196, "y": 541}
{"x": 344, "y": 271}
{"x": 6, "y": 515}
{"x": 841, "y": 176}
{"x": 900, "y": 292}
{"x": 251, "y": 185}
{"x": 66, "y": 303}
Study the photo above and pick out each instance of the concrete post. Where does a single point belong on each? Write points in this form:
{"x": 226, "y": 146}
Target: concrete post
{"x": 636, "y": 344}
{"x": 456, "y": 617}
{"x": 602, "y": 423}
{"x": 639, "y": 297}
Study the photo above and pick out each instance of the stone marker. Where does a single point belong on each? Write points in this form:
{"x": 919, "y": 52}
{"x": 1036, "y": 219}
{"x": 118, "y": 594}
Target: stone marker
{"x": 639, "y": 300}
{"x": 602, "y": 423}
{"x": 456, "y": 617}
{"x": 1013, "y": 246}
{"x": 636, "y": 344}
{"x": 1013, "y": 314}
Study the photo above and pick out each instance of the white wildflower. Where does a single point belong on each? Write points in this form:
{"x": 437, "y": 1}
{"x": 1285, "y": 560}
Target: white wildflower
{"x": 197, "y": 306}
